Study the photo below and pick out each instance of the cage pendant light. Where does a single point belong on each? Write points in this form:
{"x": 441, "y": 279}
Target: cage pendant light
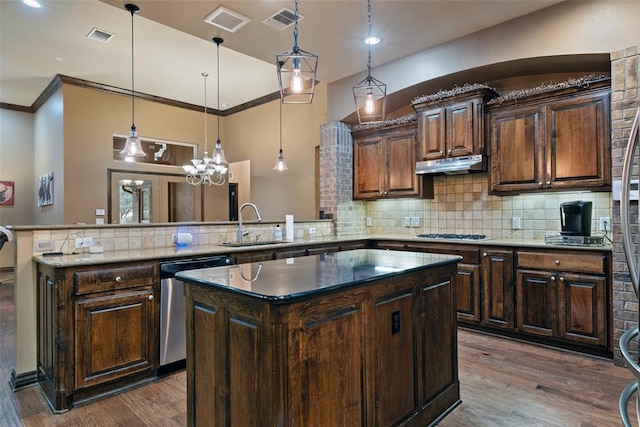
{"x": 203, "y": 171}
{"x": 370, "y": 94}
{"x": 280, "y": 166}
{"x": 132, "y": 146}
{"x": 296, "y": 71}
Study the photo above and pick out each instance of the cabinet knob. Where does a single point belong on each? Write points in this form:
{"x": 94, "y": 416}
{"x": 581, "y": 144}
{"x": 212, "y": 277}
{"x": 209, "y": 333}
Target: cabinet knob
{"x": 150, "y": 297}
{"x": 484, "y": 254}
{"x": 553, "y": 278}
{"x": 548, "y": 182}
{"x": 540, "y": 184}
{"x": 557, "y": 262}
{"x": 561, "y": 279}
{"x": 450, "y": 151}
{"x": 118, "y": 279}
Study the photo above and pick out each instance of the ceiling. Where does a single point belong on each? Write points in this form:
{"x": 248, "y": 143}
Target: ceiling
{"x": 173, "y": 47}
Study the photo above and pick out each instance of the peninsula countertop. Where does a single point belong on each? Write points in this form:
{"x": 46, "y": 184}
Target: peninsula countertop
{"x": 286, "y": 280}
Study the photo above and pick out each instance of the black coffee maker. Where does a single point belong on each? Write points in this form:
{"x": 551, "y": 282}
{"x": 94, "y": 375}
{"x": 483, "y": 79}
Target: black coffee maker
{"x": 575, "y": 218}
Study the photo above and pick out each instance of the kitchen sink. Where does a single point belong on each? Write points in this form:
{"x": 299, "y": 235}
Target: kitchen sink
{"x": 258, "y": 243}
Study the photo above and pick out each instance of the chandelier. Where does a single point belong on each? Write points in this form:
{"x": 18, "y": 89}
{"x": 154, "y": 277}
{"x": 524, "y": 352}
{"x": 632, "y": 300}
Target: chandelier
{"x": 296, "y": 71}
{"x": 209, "y": 170}
{"x": 370, "y": 94}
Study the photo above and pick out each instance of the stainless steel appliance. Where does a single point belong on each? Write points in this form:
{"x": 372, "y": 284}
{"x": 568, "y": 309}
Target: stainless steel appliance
{"x": 452, "y": 165}
{"x": 173, "y": 347}
{"x": 631, "y": 246}
{"x": 575, "y": 218}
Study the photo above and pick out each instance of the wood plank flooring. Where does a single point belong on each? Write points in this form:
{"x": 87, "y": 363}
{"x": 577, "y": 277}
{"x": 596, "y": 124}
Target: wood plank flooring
{"x": 503, "y": 383}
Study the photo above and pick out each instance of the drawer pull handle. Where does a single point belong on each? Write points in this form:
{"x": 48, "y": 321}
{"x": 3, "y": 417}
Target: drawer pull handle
{"x": 118, "y": 279}
{"x": 150, "y": 297}
{"x": 557, "y": 262}
{"x": 553, "y": 278}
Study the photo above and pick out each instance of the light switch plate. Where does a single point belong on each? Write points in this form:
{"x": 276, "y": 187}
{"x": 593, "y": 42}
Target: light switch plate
{"x": 44, "y": 245}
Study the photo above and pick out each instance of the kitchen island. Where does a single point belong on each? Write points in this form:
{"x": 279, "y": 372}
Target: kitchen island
{"x": 361, "y": 337}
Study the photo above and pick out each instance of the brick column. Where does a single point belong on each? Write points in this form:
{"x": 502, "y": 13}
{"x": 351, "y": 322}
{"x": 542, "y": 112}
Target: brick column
{"x": 625, "y": 75}
{"x": 336, "y": 179}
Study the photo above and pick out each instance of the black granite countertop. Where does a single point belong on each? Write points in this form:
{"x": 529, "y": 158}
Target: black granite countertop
{"x": 286, "y": 280}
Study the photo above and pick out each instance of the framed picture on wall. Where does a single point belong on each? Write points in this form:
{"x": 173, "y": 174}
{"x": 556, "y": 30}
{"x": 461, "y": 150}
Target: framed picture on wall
{"x": 45, "y": 189}
{"x": 6, "y": 193}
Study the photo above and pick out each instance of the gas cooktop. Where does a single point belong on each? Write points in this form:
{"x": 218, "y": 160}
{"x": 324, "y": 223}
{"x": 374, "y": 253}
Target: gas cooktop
{"x": 452, "y": 236}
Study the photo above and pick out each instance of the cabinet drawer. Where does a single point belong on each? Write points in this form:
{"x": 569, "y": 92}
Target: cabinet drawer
{"x": 587, "y": 263}
{"x": 113, "y": 278}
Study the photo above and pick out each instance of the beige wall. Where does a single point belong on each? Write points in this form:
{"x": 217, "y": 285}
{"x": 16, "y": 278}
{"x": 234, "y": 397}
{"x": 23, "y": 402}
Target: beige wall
{"x": 570, "y": 27}
{"x": 16, "y": 165}
{"x": 254, "y": 134}
{"x": 91, "y": 118}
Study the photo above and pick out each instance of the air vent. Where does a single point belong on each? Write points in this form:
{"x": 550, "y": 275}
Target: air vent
{"x": 227, "y": 19}
{"x": 282, "y": 19}
{"x": 99, "y": 35}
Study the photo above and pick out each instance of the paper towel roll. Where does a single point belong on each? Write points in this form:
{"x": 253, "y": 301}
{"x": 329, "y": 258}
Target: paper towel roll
{"x": 182, "y": 238}
{"x": 289, "y": 227}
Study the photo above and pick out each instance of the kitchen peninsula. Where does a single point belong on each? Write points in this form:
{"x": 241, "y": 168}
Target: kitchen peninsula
{"x": 360, "y": 337}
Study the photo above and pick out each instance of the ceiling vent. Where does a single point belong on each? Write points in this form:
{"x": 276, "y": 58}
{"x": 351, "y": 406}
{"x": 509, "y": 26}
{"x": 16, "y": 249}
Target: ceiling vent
{"x": 99, "y": 35}
{"x": 282, "y": 19}
{"x": 227, "y": 19}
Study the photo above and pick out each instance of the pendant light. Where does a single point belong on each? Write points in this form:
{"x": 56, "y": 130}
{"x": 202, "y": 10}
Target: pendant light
{"x": 296, "y": 71}
{"x": 280, "y": 166}
{"x": 370, "y": 94}
{"x": 132, "y": 146}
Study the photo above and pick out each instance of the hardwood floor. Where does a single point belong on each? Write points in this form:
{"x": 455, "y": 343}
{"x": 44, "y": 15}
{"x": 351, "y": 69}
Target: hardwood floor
{"x": 503, "y": 383}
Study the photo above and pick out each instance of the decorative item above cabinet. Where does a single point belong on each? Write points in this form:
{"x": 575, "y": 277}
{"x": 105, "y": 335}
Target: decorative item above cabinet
{"x": 551, "y": 138}
{"x": 451, "y": 122}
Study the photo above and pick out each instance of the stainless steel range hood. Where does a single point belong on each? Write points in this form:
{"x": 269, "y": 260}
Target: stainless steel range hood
{"x": 451, "y": 165}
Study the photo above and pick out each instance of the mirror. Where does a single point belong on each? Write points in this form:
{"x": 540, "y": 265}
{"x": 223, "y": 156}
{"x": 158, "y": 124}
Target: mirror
{"x": 134, "y": 200}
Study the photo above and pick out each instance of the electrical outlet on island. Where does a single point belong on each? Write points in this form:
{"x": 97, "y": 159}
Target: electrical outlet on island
{"x": 415, "y": 221}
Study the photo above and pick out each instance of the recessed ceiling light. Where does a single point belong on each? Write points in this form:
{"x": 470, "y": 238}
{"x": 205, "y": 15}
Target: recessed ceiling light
{"x": 57, "y": 58}
{"x": 31, "y": 3}
{"x": 372, "y": 40}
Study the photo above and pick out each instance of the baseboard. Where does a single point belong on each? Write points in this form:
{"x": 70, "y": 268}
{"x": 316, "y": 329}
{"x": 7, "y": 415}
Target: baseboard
{"x": 27, "y": 379}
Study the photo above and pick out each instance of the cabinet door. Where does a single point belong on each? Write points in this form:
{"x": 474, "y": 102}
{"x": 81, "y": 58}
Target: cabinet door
{"x": 517, "y": 150}
{"x": 115, "y": 336}
{"x": 401, "y": 179}
{"x": 582, "y": 310}
{"x": 468, "y": 293}
{"x": 497, "y": 286}
{"x": 536, "y": 305}
{"x": 460, "y": 123}
{"x": 578, "y": 133}
{"x": 431, "y": 130}
{"x": 368, "y": 168}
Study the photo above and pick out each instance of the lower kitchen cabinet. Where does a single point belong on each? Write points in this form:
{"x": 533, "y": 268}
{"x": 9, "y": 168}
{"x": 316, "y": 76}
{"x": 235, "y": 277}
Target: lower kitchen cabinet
{"x": 98, "y": 330}
{"x": 497, "y": 288}
{"x": 564, "y": 297}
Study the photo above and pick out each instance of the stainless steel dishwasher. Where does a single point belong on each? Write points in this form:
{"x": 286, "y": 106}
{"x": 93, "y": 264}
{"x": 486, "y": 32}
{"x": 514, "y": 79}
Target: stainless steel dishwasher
{"x": 173, "y": 326}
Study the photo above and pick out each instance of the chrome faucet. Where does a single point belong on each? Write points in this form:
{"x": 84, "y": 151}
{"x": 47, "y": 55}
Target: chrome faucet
{"x": 240, "y": 233}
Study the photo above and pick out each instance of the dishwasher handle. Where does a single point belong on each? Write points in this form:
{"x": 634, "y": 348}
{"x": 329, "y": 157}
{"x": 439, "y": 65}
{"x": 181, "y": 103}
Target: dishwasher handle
{"x": 169, "y": 269}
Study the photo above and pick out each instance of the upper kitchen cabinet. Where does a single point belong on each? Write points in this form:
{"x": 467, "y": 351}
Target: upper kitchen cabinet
{"x": 551, "y": 141}
{"x": 451, "y": 123}
{"x": 384, "y": 163}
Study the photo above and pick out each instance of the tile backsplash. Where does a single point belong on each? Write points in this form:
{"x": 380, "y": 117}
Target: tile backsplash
{"x": 462, "y": 204}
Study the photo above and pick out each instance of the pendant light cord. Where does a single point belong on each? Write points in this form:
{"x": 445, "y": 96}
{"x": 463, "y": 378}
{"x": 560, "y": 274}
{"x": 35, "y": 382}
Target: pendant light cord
{"x": 369, "y": 44}
{"x": 295, "y": 30}
{"x": 205, "y": 111}
{"x": 133, "y": 9}
{"x": 280, "y": 127}
{"x": 218, "y": 40}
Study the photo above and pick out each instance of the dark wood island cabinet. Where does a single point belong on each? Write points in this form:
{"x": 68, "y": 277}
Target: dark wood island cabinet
{"x": 362, "y": 337}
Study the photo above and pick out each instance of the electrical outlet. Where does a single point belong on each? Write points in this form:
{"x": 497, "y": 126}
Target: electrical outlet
{"x": 312, "y": 230}
{"x": 415, "y": 221}
{"x": 368, "y": 221}
{"x": 515, "y": 223}
{"x": 605, "y": 223}
{"x": 407, "y": 221}
{"x": 84, "y": 242}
